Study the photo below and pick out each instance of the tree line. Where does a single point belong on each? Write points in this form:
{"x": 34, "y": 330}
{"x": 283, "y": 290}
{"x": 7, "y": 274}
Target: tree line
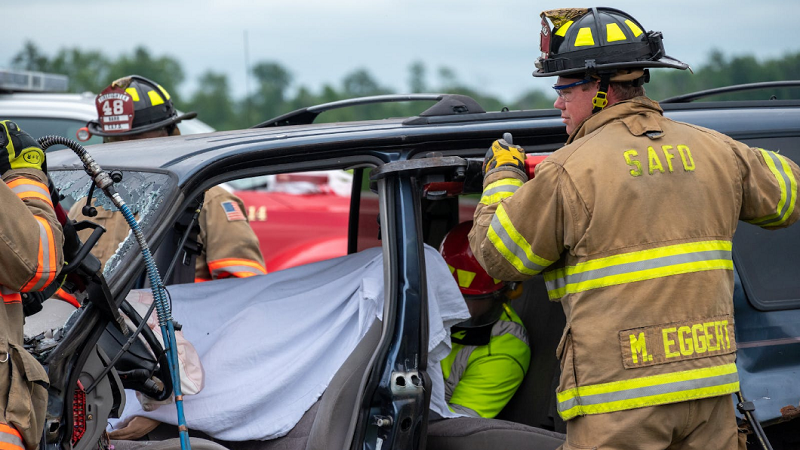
{"x": 274, "y": 93}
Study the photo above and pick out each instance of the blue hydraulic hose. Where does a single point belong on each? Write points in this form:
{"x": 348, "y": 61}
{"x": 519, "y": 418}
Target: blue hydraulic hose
{"x": 104, "y": 182}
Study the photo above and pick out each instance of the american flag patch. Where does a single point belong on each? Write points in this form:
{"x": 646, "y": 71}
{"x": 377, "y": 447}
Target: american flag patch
{"x": 232, "y": 211}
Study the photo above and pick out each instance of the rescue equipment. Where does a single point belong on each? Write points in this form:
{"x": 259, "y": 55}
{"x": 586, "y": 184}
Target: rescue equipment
{"x": 102, "y": 179}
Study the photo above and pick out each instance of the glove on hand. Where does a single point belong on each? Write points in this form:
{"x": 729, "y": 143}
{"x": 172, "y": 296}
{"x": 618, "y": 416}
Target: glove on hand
{"x": 20, "y": 150}
{"x": 504, "y": 154}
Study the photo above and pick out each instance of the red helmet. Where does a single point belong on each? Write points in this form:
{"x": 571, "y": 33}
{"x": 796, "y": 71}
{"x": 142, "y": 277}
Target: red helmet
{"x": 468, "y": 273}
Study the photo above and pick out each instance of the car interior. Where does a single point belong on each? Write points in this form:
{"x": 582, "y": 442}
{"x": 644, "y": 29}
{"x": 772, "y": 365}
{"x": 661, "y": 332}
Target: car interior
{"x": 528, "y": 421}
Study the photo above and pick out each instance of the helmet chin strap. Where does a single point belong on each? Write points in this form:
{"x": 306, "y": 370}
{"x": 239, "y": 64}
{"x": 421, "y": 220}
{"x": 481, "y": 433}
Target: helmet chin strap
{"x": 600, "y": 99}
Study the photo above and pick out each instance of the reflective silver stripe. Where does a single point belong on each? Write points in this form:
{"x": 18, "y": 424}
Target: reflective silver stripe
{"x": 12, "y": 439}
{"x": 236, "y": 269}
{"x": 30, "y": 187}
{"x": 457, "y": 370}
{"x": 789, "y": 191}
{"x": 464, "y": 410}
{"x": 519, "y": 253}
{"x": 6, "y": 291}
{"x": 44, "y": 243}
{"x": 647, "y": 391}
{"x": 638, "y": 266}
{"x": 508, "y": 327}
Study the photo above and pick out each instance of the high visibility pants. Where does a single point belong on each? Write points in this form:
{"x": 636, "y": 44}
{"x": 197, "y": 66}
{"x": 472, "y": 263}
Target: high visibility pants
{"x": 707, "y": 424}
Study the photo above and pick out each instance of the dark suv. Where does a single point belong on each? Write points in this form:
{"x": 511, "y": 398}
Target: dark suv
{"x": 415, "y": 179}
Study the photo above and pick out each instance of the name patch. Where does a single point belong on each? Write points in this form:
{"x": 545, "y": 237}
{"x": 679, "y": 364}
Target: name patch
{"x": 680, "y": 341}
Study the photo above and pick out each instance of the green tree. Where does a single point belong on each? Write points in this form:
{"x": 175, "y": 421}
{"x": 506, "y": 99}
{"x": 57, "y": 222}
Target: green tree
{"x": 30, "y": 58}
{"x": 87, "y": 70}
{"x": 269, "y": 99}
{"x": 164, "y": 70}
{"x": 416, "y": 77}
{"x": 213, "y": 102}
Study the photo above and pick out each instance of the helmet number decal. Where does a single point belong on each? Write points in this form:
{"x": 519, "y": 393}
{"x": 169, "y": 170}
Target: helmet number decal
{"x": 114, "y": 110}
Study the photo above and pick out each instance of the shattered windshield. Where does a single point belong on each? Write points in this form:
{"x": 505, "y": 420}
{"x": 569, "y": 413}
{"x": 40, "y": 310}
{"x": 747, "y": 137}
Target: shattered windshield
{"x": 143, "y": 192}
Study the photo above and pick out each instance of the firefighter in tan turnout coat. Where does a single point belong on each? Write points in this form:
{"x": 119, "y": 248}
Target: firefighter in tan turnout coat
{"x": 631, "y": 225}
{"x": 230, "y": 247}
{"x": 31, "y": 243}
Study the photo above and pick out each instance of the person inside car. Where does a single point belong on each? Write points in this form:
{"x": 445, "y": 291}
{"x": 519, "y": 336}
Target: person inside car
{"x": 31, "y": 257}
{"x": 490, "y": 354}
{"x": 631, "y": 223}
{"x": 134, "y": 107}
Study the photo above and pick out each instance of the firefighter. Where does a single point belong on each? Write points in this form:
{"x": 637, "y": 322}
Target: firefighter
{"x": 490, "y": 354}
{"x": 134, "y": 107}
{"x": 30, "y": 258}
{"x": 631, "y": 224}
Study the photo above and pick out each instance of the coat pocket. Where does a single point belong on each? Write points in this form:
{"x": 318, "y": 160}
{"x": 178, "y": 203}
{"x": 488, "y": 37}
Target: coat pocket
{"x": 27, "y": 395}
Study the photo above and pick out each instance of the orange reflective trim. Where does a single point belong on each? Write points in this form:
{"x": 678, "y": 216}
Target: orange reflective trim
{"x": 51, "y": 263}
{"x": 46, "y": 261}
{"x": 10, "y": 446}
{"x": 201, "y": 280}
{"x": 11, "y": 298}
{"x": 227, "y": 274}
{"x": 27, "y": 188}
{"x": 10, "y": 439}
{"x": 232, "y": 262}
{"x": 10, "y": 430}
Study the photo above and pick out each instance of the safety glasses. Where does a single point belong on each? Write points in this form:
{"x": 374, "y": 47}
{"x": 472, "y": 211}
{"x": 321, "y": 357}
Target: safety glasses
{"x": 565, "y": 91}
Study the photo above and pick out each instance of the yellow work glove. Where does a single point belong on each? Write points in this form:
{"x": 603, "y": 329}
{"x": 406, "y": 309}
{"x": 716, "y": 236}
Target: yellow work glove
{"x": 20, "y": 150}
{"x": 504, "y": 154}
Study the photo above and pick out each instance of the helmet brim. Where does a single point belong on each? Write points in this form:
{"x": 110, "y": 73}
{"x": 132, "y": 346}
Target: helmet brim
{"x": 95, "y": 128}
{"x": 666, "y": 62}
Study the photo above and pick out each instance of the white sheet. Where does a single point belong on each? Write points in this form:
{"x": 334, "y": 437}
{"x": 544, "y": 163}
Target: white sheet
{"x": 271, "y": 344}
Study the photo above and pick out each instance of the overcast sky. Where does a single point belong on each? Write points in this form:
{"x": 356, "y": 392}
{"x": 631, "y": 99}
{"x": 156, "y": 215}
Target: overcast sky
{"x": 491, "y": 45}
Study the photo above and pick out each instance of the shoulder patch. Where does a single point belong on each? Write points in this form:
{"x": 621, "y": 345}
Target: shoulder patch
{"x": 232, "y": 211}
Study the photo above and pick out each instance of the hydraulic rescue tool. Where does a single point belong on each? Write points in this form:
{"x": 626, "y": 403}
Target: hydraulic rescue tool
{"x": 104, "y": 182}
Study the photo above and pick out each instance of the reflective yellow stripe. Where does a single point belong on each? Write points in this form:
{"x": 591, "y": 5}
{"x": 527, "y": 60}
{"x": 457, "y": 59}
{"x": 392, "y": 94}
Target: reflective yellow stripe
{"x": 614, "y": 33}
{"x": 499, "y": 190}
{"x": 636, "y": 30}
{"x": 155, "y": 98}
{"x": 788, "y": 186}
{"x": 513, "y": 246}
{"x": 584, "y": 37}
{"x": 638, "y": 266}
{"x": 648, "y": 391}
{"x": 133, "y": 93}
{"x": 563, "y": 30}
{"x": 163, "y": 91}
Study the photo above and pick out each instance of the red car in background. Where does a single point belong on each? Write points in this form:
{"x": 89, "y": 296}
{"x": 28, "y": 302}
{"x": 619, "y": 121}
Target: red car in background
{"x": 302, "y": 218}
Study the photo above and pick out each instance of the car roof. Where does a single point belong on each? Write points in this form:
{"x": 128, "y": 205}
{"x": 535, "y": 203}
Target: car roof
{"x": 186, "y": 155}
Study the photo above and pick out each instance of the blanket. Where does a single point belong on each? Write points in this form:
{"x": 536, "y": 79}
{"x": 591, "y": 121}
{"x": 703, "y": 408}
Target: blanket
{"x": 269, "y": 345}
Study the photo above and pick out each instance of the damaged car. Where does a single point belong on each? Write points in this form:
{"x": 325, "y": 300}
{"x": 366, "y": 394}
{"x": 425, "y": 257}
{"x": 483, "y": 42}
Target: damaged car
{"x": 371, "y": 319}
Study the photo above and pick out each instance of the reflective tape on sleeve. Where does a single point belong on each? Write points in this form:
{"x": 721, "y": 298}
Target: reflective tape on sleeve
{"x": 788, "y": 186}
{"x": 10, "y": 439}
{"x": 499, "y": 190}
{"x": 46, "y": 267}
{"x": 235, "y": 267}
{"x": 513, "y": 246}
{"x": 648, "y": 391}
{"x": 25, "y": 188}
{"x": 639, "y": 266}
